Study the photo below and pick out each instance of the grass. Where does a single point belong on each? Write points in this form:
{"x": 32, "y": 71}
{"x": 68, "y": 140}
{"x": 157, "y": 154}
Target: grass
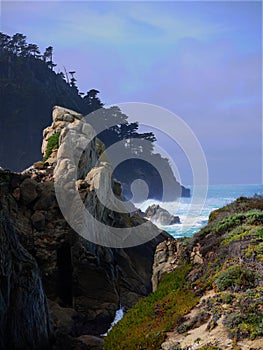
{"x": 145, "y": 325}
{"x": 52, "y": 143}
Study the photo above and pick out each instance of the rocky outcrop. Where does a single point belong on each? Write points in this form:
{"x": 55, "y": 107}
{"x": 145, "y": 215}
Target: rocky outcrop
{"x": 160, "y": 216}
{"x": 84, "y": 282}
{"x": 166, "y": 258}
{"x": 227, "y": 274}
{"x": 24, "y": 316}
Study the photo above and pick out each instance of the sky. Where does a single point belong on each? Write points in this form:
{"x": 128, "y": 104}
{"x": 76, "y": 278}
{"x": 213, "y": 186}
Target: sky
{"x": 201, "y": 60}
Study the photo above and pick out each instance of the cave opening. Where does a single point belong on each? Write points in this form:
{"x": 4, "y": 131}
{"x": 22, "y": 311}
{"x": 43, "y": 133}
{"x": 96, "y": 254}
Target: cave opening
{"x": 64, "y": 274}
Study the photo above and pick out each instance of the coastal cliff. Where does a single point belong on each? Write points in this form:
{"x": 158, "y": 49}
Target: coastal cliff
{"x": 29, "y": 89}
{"x": 207, "y": 289}
{"x": 82, "y": 283}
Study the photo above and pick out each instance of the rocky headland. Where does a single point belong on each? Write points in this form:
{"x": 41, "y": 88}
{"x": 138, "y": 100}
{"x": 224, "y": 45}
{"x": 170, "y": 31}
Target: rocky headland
{"x": 57, "y": 289}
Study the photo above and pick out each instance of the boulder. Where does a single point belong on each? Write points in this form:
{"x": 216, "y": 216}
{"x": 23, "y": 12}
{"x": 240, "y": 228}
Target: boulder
{"x": 161, "y": 216}
{"x": 28, "y": 191}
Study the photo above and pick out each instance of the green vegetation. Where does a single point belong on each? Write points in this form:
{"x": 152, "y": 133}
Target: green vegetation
{"x": 234, "y": 278}
{"x": 232, "y": 248}
{"x": 144, "y": 326}
{"x": 255, "y": 250}
{"x": 52, "y": 143}
{"x": 247, "y": 319}
{"x": 230, "y": 222}
{"x": 235, "y": 270}
{"x": 243, "y": 232}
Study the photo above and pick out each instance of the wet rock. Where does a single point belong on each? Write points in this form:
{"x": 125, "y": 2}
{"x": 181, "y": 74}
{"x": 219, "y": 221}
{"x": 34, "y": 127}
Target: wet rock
{"x": 161, "y": 216}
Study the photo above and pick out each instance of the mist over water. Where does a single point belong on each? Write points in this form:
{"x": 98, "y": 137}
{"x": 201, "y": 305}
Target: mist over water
{"x": 217, "y": 197}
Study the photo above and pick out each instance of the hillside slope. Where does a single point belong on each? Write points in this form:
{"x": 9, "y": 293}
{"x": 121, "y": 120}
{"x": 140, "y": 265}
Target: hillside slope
{"x": 209, "y": 289}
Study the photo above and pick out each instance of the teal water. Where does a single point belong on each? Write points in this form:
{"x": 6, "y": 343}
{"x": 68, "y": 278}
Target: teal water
{"x": 193, "y": 218}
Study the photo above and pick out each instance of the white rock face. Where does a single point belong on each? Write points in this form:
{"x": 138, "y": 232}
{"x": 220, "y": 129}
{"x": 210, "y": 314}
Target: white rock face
{"x": 77, "y": 140}
{"x": 87, "y": 196}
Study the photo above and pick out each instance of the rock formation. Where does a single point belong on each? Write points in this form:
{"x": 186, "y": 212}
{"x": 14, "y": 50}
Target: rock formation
{"x": 160, "y": 216}
{"x": 166, "y": 258}
{"x": 84, "y": 282}
{"x": 23, "y": 304}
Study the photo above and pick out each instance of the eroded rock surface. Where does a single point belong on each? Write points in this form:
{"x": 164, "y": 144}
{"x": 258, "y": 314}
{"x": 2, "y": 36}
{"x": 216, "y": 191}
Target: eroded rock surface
{"x": 84, "y": 282}
{"x": 24, "y": 315}
{"x": 161, "y": 216}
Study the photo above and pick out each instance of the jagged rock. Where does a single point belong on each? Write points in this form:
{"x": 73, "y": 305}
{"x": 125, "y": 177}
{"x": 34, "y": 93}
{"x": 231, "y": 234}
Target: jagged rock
{"x": 28, "y": 191}
{"x": 62, "y": 318}
{"x": 46, "y": 198}
{"x": 24, "y": 317}
{"x": 79, "y": 143}
{"x": 38, "y": 220}
{"x": 166, "y": 259}
{"x": 78, "y": 275}
{"x": 17, "y": 193}
{"x": 161, "y": 216}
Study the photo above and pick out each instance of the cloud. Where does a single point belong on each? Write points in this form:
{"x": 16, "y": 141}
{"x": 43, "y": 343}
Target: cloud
{"x": 202, "y": 60}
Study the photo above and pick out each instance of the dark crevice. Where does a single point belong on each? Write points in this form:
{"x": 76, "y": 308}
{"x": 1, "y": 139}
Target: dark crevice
{"x": 64, "y": 265}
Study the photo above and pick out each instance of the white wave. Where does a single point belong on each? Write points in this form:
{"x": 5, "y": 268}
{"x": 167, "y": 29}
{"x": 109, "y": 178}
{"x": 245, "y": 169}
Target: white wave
{"x": 192, "y": 217}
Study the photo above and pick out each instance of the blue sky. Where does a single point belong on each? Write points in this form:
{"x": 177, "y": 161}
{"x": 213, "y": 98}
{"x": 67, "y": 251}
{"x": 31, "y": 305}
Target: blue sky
{"x": 200, "y": 59}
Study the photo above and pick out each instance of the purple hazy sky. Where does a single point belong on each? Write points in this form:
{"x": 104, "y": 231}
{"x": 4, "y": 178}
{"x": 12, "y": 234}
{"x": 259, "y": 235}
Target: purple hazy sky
{"x": 200, "y": 59}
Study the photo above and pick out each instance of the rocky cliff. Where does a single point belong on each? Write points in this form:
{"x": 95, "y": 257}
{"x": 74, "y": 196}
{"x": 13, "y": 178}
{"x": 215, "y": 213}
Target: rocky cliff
{"x": 84, "y": 283}
{"x": 207, "y": 290}
{"x": 24, "y": 316}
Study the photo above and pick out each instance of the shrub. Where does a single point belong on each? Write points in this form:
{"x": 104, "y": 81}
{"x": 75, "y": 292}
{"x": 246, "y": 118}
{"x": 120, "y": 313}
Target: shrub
{"x": 52, "y": 143}
{"x": 229, "y": 222}
{"x": 255, "y": 217}
{"x": 235, "y": 278}
{"x": 245, "y": 325}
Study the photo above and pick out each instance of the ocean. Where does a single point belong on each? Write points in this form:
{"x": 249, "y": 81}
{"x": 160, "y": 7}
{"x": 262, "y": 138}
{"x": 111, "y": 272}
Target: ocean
{"x": 194, "y": 217}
